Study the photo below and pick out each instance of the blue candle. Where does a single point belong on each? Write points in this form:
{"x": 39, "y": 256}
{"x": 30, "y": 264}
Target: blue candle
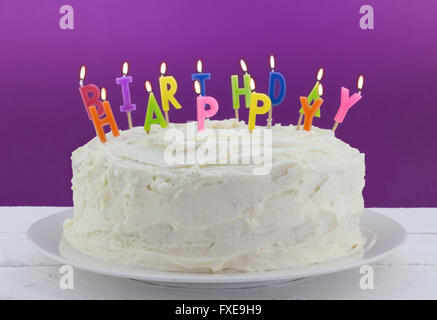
{"x": 276, "y": 84}
{"x": 201, "y": 77}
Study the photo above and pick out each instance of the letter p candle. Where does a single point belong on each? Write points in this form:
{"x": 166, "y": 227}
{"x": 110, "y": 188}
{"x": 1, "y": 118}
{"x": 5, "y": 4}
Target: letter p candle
{"x": 202, "y": 102}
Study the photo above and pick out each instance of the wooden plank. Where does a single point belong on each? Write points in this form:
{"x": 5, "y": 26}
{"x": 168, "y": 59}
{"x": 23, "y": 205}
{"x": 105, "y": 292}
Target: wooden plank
{"x": 414, "y": 220}
{"x": 396, "y": 282}
{"x": 19, "y": 219}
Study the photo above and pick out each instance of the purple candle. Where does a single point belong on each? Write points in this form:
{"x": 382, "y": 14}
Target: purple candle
{"x": 124, "y": 83}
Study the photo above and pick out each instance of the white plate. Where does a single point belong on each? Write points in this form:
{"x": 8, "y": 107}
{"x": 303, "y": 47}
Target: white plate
{"x": 383, "y": 235}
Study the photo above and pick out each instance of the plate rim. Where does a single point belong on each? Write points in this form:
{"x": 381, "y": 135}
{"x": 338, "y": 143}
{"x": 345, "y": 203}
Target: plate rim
{"x": 156, "y": 276}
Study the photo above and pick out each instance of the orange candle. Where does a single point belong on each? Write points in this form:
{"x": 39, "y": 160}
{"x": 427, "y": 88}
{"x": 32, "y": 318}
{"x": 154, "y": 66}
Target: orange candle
{"x": 107, "y": 120}
{"x": 309, "y": 111}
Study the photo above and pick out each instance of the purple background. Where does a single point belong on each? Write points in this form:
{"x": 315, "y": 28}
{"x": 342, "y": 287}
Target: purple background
{"x": 43, "y": 119}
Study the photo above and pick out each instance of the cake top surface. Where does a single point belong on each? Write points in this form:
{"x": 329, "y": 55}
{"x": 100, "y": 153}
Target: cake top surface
{"x": 234, "y": 147}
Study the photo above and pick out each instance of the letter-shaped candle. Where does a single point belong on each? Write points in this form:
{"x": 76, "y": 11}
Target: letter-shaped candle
{"x": 201, "y": 77}
{"x": 347, "y": 102}
{"x": 315, "y": 93}
{"x": 90, "y": 96}
{"x": 254, "y": 108}
{"x": 107, "y": 120}
{"x": 237, "y": 91}
{"x": 124, "y": 83}
{"x": 202, "y": 101}
{"x": 168, "y": 87}
{"x": 310, "y": 111}
{"x": 276, "y": 84}
{"x": 153, "y": 109}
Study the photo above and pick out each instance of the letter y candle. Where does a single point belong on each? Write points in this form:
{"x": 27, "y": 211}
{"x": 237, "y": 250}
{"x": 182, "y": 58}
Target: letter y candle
{"x": 347, "y": 102}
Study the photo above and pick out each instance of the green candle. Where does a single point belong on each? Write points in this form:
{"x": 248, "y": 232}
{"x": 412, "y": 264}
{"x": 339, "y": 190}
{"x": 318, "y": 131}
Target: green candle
{"x": 153, "y": 109}
{"x": 314, "y": 94}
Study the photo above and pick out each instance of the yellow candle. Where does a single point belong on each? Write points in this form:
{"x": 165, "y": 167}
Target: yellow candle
{"x": 168, "y": 87}
{"x": 254, "y": 109}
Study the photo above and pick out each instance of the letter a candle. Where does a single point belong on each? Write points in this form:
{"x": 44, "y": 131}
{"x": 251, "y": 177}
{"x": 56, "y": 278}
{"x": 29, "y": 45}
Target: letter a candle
{"x": 347, "y": 102}
{"x": 108, "y": 120}
{"x": 237, "y": 91}
{"x": 124, "y": 81}
{"x": 153, "y": 109}
{"x": 168, "y": 87}
{"x": 314, "y": 94}
{"x": 275, "y": 78}
{"x": 254, "y": 109}
{"x": 203, "y": 101}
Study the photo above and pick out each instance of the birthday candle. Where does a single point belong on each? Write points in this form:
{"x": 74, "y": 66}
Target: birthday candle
{"x": 201, "y": 77}
{"x": 90, "y": 94}
{"x": 168, "y": 87}
{"x": 347, "y": 102}
{"x": 254, "y": 109}
{"x": 107, "y": 120}
{"x": 202, "y": 102}
{"x": 153, "y": 109}
{"x": 310, "y": 111}
{"x": 237, "y": 91}
{"x": 276, "y": 83}
{"x": 314, "y": 94}
{"x": 124, "y": 81}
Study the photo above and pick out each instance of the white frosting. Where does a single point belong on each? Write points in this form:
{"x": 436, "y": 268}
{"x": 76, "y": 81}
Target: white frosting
{"x": 131, "y": 207}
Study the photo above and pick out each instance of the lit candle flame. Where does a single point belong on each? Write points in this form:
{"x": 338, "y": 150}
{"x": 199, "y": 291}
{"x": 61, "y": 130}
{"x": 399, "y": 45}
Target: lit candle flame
{"x": 272, "y": 62}
{"x": 243, "y": 65}
{"x": 197, "y": 87}
{"x": 320, "y": 90}
{"x": 82, "y": 73}
{"x": 163, "y": 68}
{"x": 103, "y": 94}
{"x": 252, "y": 84}
{"x": 360, "y": 82}
{"x": 320, "y": 74}
{"x": 148, "y": 86}
{"x": 125, "y": 68}
{"x": 199, "y": 66}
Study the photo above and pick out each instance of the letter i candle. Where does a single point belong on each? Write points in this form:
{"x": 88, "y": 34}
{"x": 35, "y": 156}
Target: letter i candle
{"x": 347, "y": 102}
{"x": 124, "y": 81}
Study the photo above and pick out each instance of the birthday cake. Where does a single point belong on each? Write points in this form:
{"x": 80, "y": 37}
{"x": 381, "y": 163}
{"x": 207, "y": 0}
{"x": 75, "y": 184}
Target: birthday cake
{"x": 134, "y": 204}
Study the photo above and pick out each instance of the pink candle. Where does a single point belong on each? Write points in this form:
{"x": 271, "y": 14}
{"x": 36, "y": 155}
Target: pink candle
{"x": 90, "y": 95}
{"x": 346, "y": 102}
{"x": 202, "y": 102}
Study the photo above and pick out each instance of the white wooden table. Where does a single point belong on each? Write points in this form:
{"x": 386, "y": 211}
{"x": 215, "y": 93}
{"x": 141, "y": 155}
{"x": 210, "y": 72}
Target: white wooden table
{"x": 410, "y": 273}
